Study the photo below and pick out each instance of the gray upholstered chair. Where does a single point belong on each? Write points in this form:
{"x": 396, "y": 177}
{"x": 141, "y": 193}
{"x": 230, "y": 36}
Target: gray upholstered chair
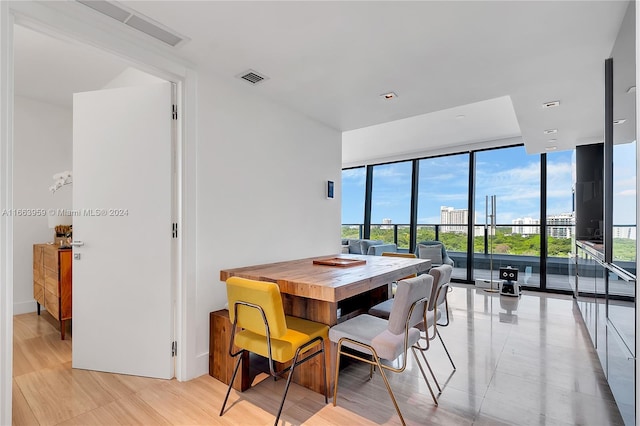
{"x": 394, "y": 284}
{"x": 437, "y": 308}
{"x": 429, "y": 250}
{"x": 369, "y": 247}
{"x": 374, "y": 340}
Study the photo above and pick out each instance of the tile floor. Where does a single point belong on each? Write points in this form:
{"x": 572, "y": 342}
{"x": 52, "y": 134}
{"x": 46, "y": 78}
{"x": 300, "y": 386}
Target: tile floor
{"x": 529, "y": 359}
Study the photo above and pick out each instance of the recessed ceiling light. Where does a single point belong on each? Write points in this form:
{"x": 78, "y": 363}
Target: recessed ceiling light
{"x": 460, "y": 116}
{"x": 551, "y": 148}
{"x": 551, "y": 104}
{"x": 619, "y": 121}
{"x": 550, "y": 131}
{"x": 389, "y": 95}
{"x": 631, "y": 89}
{"x": 552, "y": 140}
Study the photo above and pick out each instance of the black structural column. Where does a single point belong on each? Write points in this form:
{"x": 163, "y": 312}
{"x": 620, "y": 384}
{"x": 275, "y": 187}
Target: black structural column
{"x": 607, "y": 226}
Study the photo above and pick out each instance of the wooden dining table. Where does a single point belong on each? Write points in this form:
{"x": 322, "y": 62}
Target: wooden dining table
{"x": 329, "y": 289}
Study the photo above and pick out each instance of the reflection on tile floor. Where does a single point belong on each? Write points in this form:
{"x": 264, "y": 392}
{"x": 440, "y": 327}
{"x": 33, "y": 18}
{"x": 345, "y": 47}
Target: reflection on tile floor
{"x": 529, "y": 359}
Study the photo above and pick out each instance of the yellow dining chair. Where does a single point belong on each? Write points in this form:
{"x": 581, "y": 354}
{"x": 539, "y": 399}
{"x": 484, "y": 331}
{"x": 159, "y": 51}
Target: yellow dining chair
{"x": 260, "y": 326}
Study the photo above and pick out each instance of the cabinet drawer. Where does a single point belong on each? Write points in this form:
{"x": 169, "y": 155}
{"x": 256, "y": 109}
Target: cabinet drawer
{"x": 51, "y": 281}
{"x": 38, "y": 274}
{"x": 51, "y": 258}
{"x": 52, "y": 304}
{"x": 37, "y": 254}
{"x": 38, "y": 293}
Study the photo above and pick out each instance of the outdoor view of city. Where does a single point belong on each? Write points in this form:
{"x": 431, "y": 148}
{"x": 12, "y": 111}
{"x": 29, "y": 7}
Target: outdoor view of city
{"x": 514, "y": 177}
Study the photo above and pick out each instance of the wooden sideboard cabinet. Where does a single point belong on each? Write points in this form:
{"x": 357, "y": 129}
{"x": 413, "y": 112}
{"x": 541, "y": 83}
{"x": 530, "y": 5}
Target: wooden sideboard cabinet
{"x": 52, "y": 281}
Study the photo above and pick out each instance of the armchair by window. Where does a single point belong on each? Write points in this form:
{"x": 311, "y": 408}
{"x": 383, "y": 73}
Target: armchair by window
{"x": 429, "y": 250}
{"x": 370, "y": 247}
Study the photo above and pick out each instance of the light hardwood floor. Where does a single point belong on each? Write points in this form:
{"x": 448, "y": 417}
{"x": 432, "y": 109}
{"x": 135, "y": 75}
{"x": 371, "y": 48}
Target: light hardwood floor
{"x": 528, "y": 365}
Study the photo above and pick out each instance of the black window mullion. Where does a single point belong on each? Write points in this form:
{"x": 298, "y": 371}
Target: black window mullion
{"x": 543, "y": 222}
{"x": 413, "y": 221}
{"x": 367, "y": 202}
{"x": 471, "y": 210}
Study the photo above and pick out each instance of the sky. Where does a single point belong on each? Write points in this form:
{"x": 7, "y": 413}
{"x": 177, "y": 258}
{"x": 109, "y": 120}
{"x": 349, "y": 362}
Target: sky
{"x": 510, "y": 174}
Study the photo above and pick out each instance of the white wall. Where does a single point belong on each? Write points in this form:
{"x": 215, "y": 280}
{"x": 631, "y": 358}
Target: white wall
{"x": 258, "y": 193}
{"x": 262, "y": 171}
{"x": 42, "y": 147}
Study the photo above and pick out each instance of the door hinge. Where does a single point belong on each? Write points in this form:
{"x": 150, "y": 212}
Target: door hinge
{"x": 174, "y": 112}
{"x": 174, "y": 348}
{"x": 174, "y": 230}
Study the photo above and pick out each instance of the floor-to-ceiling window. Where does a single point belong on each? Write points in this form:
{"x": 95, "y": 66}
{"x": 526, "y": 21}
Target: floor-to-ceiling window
{"x": 353, "y": 196}
{"x": 523, "y": 236}
{"x": 391, "y": 203}
{"x": 443, "y": 202}
{"x": 514, "y": 178}
{"x": 624, "y": 212}
{"x": 560, "y": 170}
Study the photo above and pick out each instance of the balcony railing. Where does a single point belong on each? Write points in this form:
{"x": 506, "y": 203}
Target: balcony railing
{"x": 454, "y": 237}
{"x": 504, "y": 247}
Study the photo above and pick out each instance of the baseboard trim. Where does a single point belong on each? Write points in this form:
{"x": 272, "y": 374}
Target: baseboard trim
{"x": 202, "y": 365}
{"x": 24, "y": 307}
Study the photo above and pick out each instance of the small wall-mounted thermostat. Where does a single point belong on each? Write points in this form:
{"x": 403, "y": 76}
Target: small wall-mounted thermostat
{"x": 330, "y": 187}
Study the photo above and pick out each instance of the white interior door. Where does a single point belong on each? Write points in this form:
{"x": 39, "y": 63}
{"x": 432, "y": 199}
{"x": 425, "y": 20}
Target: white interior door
{"x": 122, "y": 198}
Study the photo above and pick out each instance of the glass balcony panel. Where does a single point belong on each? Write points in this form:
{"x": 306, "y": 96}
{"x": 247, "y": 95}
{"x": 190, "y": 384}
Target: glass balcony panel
{"x": 454, "y": 238}
{"x": 403, "y": 238}
{"x": 351, "y": 231}
{"x": 503, "y": 248}
{"x": 382, "y": 232}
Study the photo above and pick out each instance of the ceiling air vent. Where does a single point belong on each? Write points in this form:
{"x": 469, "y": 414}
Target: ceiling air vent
{"x": 252, "y": 76}
{"x": 135, "y": 20}
{"x": 551, "y": 104}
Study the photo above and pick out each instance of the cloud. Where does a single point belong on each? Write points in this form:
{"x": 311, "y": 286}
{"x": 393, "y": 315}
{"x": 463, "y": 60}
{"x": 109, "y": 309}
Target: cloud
{"x": 559, "y": 168}
{"x": 624, "y": 181}
{"x": 354, "y": 177}
{"x": 526, "y": 175}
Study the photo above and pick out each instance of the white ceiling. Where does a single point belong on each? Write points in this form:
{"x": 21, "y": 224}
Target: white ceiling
{"x": 332, "y": 60}
{"x": 459, "y": 127}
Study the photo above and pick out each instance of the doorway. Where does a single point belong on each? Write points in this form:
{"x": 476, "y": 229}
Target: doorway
{"x": 43, "y": 134}
{"x": 66, "y": 21}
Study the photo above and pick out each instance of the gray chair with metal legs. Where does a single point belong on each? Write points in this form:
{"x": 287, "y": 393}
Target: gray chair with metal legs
{"x": 437, "y": 307}
{"x": 373, "y": 340}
